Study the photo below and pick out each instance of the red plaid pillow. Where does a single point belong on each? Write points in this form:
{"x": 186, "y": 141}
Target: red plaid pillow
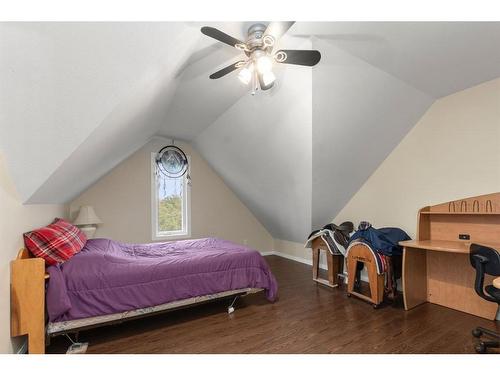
{"x": 55, "y": 243}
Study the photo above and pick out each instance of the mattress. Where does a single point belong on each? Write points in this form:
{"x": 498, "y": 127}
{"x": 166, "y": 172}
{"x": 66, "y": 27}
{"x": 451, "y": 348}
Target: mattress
{"x": 109, "y": 277}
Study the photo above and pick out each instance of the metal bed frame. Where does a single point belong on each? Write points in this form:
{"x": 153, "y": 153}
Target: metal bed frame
{"x": 77, "y": 325}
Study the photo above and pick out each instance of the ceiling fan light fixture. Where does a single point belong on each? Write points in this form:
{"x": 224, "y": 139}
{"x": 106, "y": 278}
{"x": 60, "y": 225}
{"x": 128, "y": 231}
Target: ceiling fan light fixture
{"x": 245, "y": 74}
{"x": 268, "y": 78}
{"x": 264, "y": 64}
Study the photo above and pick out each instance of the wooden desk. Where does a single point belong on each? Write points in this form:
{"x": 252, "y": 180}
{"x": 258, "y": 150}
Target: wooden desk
{"x": 440, "y": 272}
{"x": 436, "y": 266}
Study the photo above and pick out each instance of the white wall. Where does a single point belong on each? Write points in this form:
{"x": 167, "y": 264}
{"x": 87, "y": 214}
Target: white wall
{"x": 453, "y": 152}
{"x": 292, "y": 250}
{"x": 122, "y": 199}
{"x": 15, "y": 219}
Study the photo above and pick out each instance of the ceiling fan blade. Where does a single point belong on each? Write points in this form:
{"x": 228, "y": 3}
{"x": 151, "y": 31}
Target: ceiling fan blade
{"x": 227, "y": 70}
{"x": 277, "y": 29}
{"x": 220, "y": 36}
{"x": 298, "y": 57}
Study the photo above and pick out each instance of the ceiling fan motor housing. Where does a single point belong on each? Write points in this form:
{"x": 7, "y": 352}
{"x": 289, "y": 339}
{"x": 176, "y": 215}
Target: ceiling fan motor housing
{"x": 255, "y": 34}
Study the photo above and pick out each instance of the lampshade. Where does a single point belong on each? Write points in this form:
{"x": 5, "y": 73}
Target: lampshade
{"x": 87, "y": 216}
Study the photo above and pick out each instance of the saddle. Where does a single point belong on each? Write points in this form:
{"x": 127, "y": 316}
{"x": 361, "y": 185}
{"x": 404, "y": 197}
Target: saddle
{"x": 341, "y": 233}
{"x": 335, "y": 236}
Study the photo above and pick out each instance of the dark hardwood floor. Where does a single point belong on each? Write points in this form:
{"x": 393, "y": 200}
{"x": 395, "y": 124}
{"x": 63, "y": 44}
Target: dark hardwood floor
{"x": 306, "y": 319}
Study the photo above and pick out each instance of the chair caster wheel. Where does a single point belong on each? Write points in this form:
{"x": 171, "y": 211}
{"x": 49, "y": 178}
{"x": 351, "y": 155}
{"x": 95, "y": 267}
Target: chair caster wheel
{"x": 481, "y": 348}
{"x": 348, "y": 295}
{"x": 476, "y": 333}
{"x": 375, "y": 306}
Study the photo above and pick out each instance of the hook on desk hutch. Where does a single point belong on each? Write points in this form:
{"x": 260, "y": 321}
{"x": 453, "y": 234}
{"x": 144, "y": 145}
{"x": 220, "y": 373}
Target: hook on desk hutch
{"x": 474, "y": 205}
{"x": 490, "y": 205}
{"x": 451, "y": 207}
{"x": 463, "y": 206}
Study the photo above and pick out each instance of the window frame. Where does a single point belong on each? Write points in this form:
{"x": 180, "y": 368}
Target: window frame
{"x": 156, "y": 235}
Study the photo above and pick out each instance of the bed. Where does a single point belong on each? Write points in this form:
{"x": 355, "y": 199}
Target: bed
{"x": 109, "y": 282}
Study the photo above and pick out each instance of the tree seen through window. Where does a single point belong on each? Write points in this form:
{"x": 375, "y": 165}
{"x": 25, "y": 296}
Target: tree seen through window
{"x": 170, "y": 191}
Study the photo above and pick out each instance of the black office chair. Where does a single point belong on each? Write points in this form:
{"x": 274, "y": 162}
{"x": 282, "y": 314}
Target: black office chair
{"x": 486, "y": 261}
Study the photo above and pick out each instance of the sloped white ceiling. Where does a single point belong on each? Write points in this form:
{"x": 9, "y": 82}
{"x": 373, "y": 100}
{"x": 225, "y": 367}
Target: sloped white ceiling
{"x": 360, "y": 113}
{"x": 199, "y": 101}
{"x": 62, "y": 83}
{"x": 77, "y": 98}
{"x": 438, "y": 58}
{"x": 261, "y": 147}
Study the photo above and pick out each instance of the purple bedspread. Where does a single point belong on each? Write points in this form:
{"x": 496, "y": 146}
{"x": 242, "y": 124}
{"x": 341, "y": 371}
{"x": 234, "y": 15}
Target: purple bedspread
{"x": 108, "y": 277}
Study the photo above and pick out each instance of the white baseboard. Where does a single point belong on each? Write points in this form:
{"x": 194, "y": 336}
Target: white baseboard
{"x": 307, "y": 261}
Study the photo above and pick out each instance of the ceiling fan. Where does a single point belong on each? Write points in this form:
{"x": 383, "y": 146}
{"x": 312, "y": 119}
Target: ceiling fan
{"x": 256, "y": 67}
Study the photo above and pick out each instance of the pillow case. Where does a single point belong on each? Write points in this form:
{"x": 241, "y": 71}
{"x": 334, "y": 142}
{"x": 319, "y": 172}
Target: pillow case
{"x": 55, "y": 243}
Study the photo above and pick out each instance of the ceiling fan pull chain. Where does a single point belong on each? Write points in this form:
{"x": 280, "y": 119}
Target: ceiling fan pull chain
{"x": 254, "y": 83}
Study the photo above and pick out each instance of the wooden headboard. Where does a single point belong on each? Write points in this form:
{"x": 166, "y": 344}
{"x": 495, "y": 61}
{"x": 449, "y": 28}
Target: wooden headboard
{"x": 24, "y": 254}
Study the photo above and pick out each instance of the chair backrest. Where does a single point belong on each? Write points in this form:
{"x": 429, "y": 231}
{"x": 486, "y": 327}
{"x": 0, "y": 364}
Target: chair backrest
{"x": 490, "y": 258}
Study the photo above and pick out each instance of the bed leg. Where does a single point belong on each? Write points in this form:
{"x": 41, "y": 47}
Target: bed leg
{"x": 36, "y": 343}
{"x": 230, "y": 309}
{"x": 76, "y": 347}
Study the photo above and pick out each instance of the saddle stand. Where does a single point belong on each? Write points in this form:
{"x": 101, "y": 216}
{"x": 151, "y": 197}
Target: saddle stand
{"x": 361, "y": 252}
{"x": 334, "y": 262}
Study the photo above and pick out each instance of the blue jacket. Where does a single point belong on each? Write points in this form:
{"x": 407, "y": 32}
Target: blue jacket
{"x": 383, "y": 240}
